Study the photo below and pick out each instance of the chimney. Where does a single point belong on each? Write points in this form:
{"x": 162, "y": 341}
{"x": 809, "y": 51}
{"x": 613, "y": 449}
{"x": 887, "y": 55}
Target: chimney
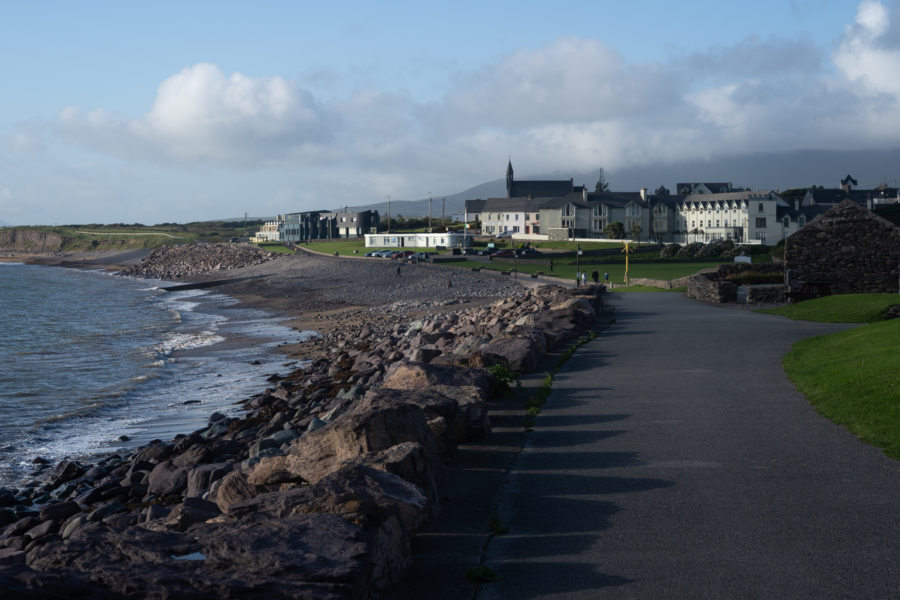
{"x": 643, "y": 194}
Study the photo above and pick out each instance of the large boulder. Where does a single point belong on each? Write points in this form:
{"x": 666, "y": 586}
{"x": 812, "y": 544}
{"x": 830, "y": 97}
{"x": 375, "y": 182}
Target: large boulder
{"x": 316, "y": 556}
{"x": 470, "y": 388}
{"x": 372, "y": 425}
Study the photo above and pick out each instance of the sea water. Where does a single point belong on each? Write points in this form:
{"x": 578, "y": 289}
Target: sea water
{"x": 92, "y": 363}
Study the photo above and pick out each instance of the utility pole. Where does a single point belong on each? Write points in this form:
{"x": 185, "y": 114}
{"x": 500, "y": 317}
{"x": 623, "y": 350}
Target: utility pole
{"x": 443, "y": 202}
{"x": 389, "y": 213}
{"x": 429, "y": 212}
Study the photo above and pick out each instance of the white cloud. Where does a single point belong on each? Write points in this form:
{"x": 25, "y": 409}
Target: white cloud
{"x": 202, "y": 115}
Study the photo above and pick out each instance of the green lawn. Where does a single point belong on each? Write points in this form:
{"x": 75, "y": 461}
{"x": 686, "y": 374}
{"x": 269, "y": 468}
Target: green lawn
{"x": 665, "y": 271}
{"x": 840, "y": 308}
{"x": 852, "y": 378}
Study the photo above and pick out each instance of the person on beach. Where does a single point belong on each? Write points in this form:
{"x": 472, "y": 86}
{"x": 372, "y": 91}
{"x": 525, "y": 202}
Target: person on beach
{"x": 398, "y": 268}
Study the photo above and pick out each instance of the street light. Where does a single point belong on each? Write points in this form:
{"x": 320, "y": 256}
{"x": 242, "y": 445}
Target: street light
{"x": 577, "y": 268}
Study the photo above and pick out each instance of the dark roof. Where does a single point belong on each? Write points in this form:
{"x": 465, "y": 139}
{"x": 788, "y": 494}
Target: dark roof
{"x": 810, "y": 212}
{"x": 516, "y": 204}
{"x": 541, "y": 188}
{"x": 616, "y": 199}
{"x": 720, "y": 187}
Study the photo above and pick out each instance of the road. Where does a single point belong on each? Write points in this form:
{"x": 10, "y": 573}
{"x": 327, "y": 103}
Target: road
{"x": 675, "y": 460}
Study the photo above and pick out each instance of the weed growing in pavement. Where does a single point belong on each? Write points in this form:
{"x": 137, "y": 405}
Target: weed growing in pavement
{"x": 482, "y": 574}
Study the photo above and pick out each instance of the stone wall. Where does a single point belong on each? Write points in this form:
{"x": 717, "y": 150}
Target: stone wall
{"x": 709, "y": 286}
{"x": 765, "y": 294}
{"x": 848, "y": 250}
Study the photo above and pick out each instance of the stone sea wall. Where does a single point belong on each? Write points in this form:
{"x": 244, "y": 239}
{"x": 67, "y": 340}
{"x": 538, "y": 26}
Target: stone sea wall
{"x": 315, "y": 492}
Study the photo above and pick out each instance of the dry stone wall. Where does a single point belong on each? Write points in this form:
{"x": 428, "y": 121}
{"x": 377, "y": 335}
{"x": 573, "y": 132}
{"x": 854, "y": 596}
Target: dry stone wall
{"x": 849, "y": 249}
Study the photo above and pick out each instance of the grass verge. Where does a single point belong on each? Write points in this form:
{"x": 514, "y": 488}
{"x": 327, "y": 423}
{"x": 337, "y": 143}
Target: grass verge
{"x": 852, "y": 378}
{"x": 840, "y": 308}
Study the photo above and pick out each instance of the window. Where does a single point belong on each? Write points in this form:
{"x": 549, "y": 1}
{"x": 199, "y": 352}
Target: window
{"x": 787, "y": 222}
{"x": 761, "y": 236}
{"x": 517, "y": 216}
{"x": 717, "y": 222}
{"x": 802, "y": 220}
{"x": 761, "y": 209}
{"x": 760, "y": 223}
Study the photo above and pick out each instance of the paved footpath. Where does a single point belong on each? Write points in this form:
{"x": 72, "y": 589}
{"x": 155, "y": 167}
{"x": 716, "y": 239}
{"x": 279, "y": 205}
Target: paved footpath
{"x": 675, "y": 460}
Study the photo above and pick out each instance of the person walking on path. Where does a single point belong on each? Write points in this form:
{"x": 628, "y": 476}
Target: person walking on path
{"x": 584, "y": 279}
{"x": 595, "y": 275}
{"x": 398, "y": 269}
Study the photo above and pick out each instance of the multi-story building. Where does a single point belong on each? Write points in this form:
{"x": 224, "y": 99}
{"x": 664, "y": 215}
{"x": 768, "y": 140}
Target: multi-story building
{"x": 315, "y": 225}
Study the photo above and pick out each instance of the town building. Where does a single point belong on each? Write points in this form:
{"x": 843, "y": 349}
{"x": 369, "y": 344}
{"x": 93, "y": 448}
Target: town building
{"x": 450, "y": 239}
{"x": 317, "y": 225}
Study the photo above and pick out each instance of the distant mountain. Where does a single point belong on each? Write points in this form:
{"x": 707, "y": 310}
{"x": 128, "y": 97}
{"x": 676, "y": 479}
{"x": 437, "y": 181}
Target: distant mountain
{"x": 453, "y": 204}
{"x": 761, "y": 171}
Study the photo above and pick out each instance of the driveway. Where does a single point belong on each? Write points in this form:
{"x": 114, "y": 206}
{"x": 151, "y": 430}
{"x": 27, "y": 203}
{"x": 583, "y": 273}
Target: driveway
{"x": 675, "y": 460}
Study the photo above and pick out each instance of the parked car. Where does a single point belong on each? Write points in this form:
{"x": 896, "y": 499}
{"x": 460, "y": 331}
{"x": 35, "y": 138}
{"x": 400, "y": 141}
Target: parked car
{"x": 505, "y": 253}
{"x": 402, "y": 254}
{"x": 525, "y": 252}
{"x": 373, "y": 253}
{"x": 486, "y": 251}
{"x": 419, "y": 256}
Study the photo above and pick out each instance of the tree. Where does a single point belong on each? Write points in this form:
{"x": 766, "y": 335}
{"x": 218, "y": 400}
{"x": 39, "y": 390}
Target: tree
{"x": 602, "y": 184}
{"x": 635, "y": 231}
{"x": 615, "y": 230}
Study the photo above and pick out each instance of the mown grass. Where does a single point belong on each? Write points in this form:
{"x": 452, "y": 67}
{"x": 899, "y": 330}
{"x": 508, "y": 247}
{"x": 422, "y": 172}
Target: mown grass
{"x": 840, "y": 308}
{"x": 852, "y": 378}
{"x": 662, "y": 270}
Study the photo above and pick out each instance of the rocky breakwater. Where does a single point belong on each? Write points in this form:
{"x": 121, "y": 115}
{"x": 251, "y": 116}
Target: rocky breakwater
{"x": 314, "y": 492}
{"x": 179, "y": 262}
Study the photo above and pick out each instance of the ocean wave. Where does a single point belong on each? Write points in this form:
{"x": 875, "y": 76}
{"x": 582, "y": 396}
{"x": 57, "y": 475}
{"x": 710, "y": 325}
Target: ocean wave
{"x": 187, "y": 341}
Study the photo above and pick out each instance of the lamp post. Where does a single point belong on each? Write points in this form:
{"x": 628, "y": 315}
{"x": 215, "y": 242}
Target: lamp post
{"x": 577, "y": 267}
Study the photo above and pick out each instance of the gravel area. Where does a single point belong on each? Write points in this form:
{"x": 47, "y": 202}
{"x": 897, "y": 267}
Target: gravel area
{"x": 332, "y": 295}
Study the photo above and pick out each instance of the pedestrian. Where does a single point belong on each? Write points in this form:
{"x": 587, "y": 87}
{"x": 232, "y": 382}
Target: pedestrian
{"x": 398, "y": 268}
{"x": 584, "y": 279}
{"x": 606, "y": 277}
{"x": 551, "y": 265}
{"x": 577, "y": 279}
{"x": 595, "y": 275}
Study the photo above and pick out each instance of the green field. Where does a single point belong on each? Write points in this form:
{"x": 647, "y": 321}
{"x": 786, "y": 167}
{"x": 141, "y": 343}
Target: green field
{"x": 562, "y": 269}
{"x": 852, "y": 377}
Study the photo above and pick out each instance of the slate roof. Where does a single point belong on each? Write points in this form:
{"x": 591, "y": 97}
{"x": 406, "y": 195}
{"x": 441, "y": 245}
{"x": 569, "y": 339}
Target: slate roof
{"x": 517, "y": 204}
{"x": 719, "y": 187}
{"x": 745, "y": 195}
{"x": 541, "y": 188}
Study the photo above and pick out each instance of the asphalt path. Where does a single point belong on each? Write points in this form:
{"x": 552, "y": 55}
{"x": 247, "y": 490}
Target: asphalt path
{"x": 674, "y": 459}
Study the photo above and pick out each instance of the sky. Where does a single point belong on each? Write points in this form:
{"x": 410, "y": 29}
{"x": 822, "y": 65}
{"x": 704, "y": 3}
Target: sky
{"x": 121, "y": 112}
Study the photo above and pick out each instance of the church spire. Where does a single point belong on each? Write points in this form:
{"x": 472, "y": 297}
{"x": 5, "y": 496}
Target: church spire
{"x": 509, "y": 179}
